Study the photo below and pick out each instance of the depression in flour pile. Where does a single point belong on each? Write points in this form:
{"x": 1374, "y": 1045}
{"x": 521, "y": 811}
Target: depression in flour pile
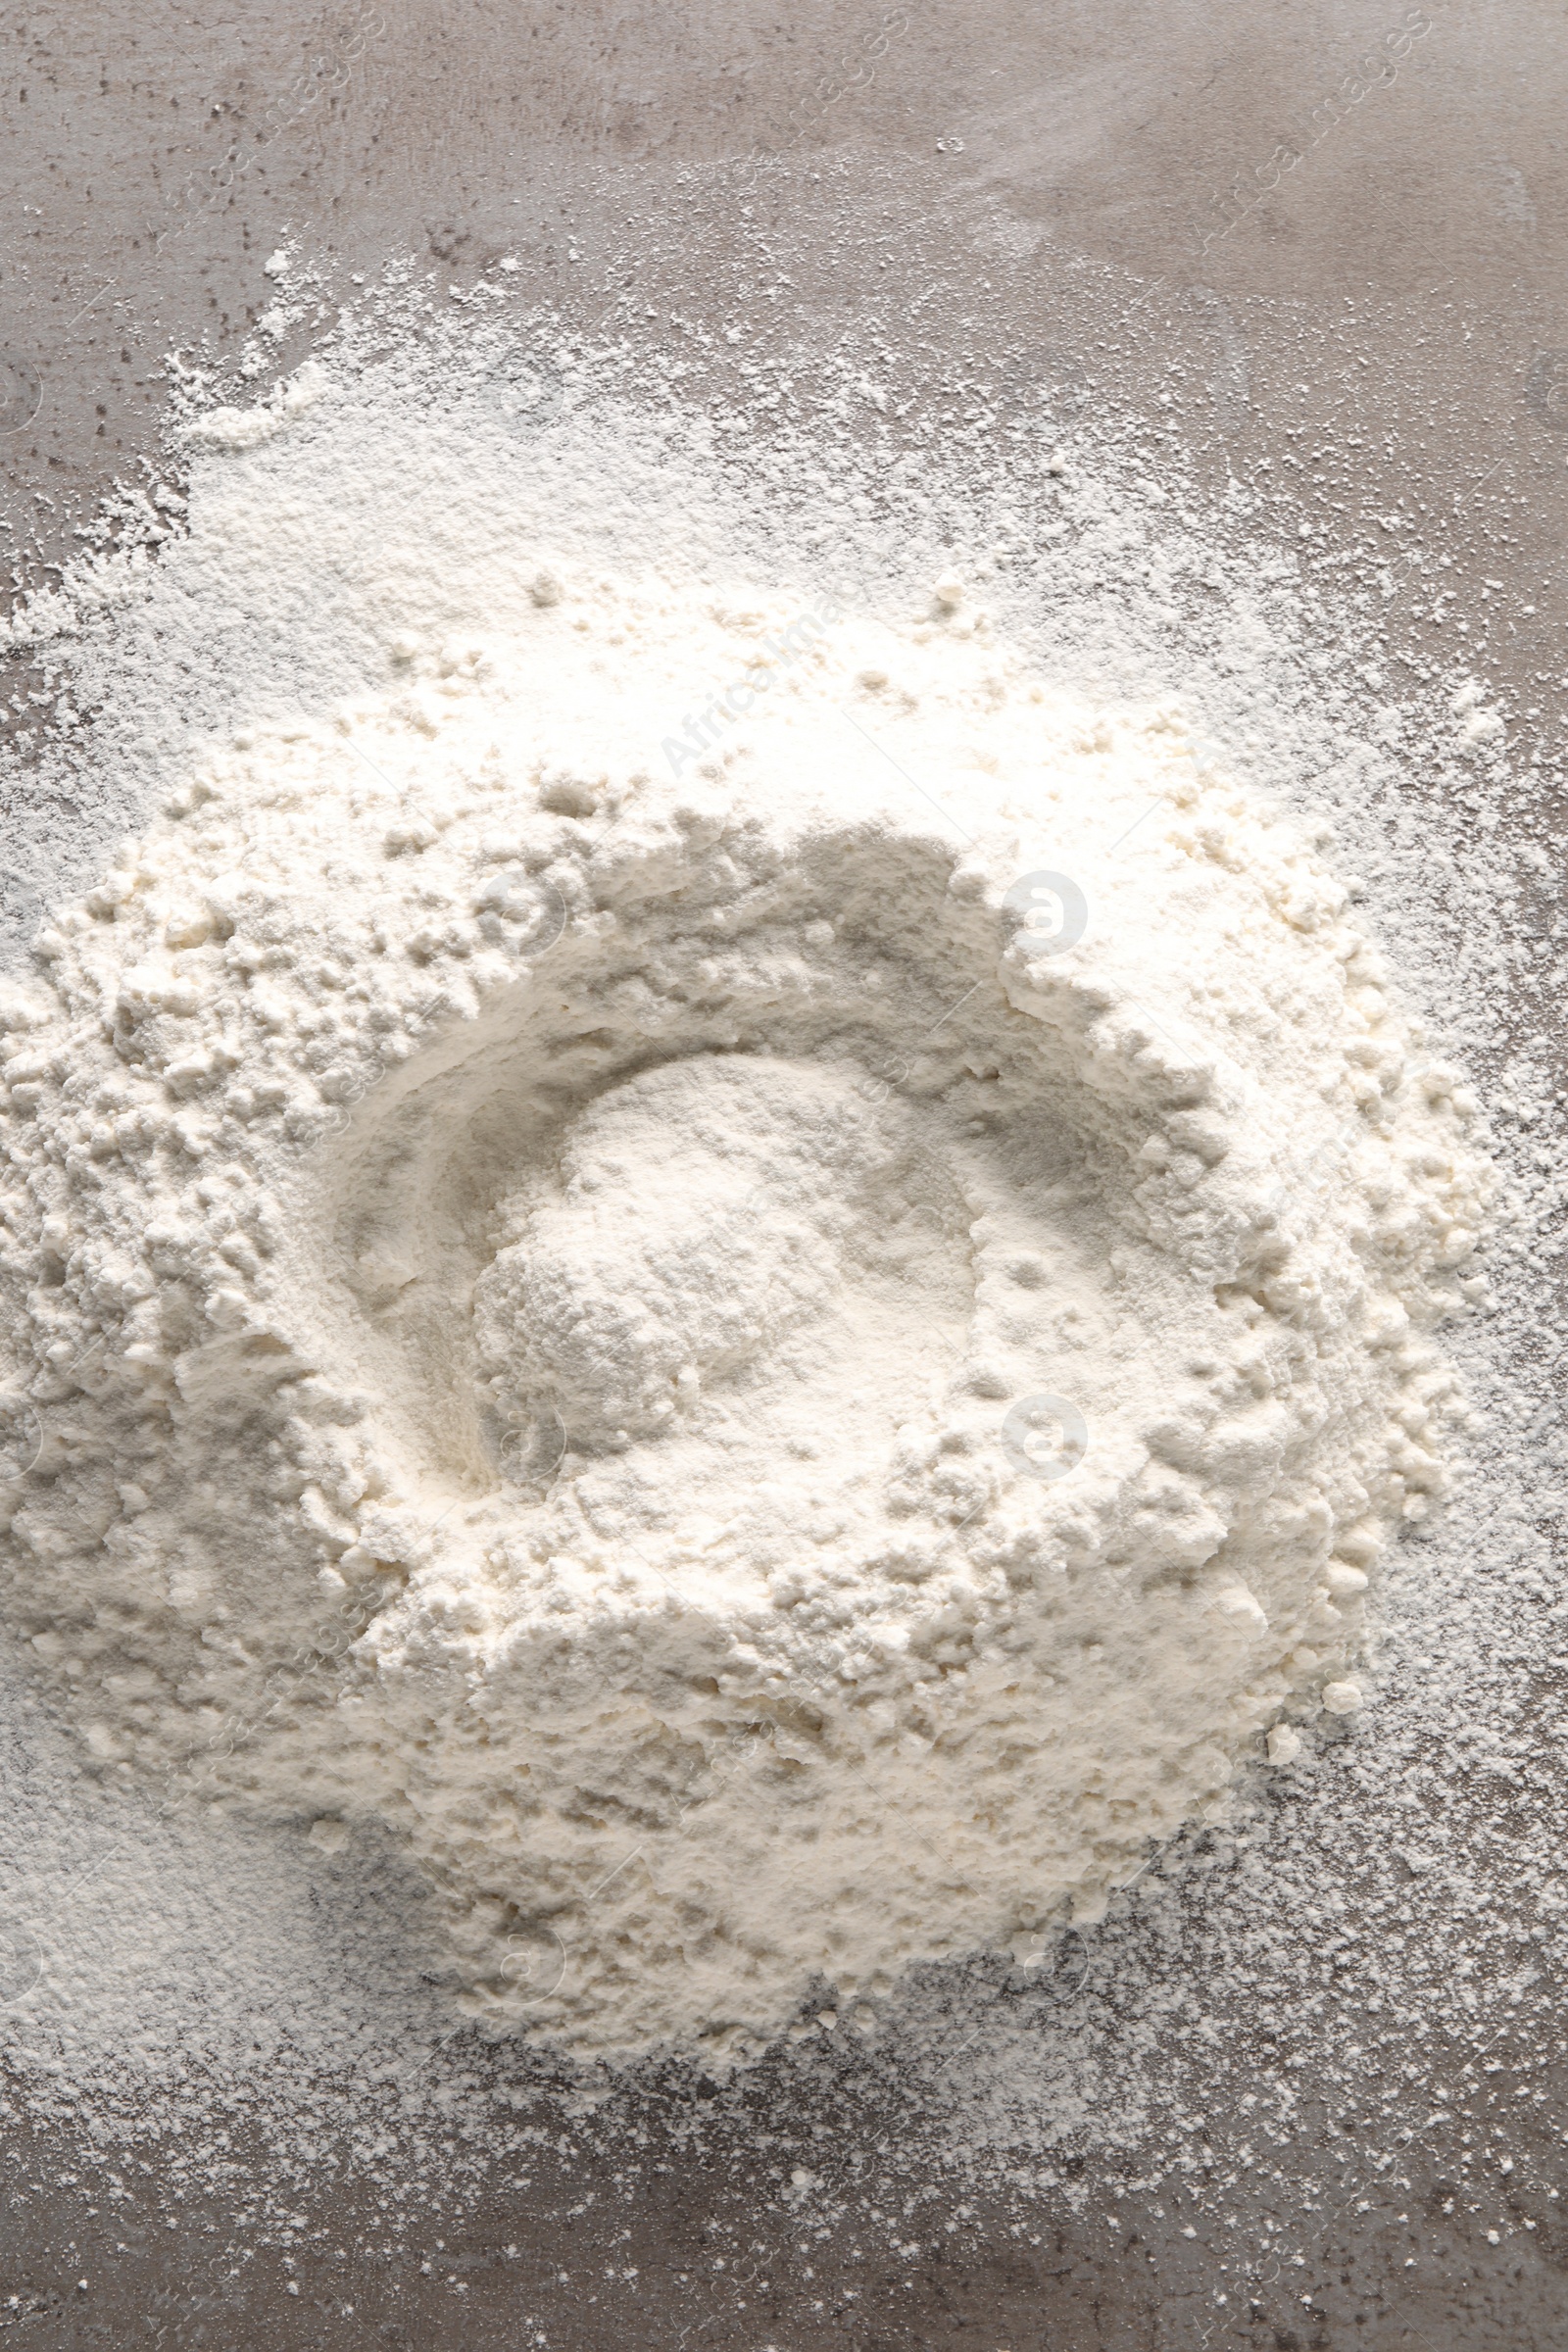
{"x": 774, "y": 1368}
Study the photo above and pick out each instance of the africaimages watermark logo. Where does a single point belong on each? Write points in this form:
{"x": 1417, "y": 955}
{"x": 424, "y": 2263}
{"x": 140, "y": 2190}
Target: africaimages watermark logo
{"x": 703, "y": 730}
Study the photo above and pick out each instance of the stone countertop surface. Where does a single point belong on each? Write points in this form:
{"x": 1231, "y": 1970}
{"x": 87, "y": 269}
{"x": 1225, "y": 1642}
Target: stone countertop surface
{"x": 1325, "y": 234}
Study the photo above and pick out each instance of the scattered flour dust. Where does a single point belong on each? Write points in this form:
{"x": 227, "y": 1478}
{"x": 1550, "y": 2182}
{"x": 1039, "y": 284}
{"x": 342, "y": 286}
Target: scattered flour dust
{"x": 776, "y": 1338}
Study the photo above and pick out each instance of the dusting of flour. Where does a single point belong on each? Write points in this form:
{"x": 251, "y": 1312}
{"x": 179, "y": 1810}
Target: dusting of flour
{"x": 647, "y": 1284}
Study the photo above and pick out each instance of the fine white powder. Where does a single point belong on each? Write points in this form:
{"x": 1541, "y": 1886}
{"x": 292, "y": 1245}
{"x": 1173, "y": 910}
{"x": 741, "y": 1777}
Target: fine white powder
{"x": 769, "y": 1288}
{"x": 187, "y": 1994}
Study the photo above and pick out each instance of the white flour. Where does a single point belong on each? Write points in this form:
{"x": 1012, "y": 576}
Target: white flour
{"x": 585, "y": 1281}
{"x": 1354, "y": 1981}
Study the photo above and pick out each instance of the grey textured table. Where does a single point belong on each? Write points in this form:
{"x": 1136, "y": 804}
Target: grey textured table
{"x": 1294, "y": 216}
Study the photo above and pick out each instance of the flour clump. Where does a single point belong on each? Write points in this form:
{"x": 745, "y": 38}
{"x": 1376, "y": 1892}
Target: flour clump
{"x": 540, "y": 1271}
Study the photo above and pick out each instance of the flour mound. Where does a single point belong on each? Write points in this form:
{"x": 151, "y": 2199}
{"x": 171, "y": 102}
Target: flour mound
{"x": 702, "y": 1209}
{"x": 613, "y": 1297}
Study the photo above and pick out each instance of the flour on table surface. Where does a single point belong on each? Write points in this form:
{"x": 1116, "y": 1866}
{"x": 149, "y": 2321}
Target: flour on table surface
{"x": 541, "y": 1274}
{"x": 372, "y": 627}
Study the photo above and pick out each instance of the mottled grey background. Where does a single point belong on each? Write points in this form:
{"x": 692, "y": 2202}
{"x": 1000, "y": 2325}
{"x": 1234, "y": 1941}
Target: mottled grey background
{"x": 1095, "y": 182}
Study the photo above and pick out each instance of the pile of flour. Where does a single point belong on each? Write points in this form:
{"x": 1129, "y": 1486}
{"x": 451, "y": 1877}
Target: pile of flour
{"x": 777, "y": 1323}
